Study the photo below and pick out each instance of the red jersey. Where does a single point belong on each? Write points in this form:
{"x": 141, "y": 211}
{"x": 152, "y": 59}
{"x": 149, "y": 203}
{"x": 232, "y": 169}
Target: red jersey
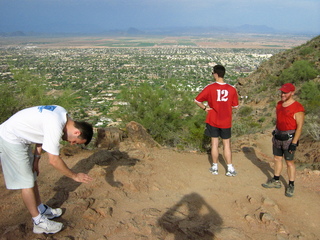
{"x": 221, "y": 97}
{"x": 285, "y": 116}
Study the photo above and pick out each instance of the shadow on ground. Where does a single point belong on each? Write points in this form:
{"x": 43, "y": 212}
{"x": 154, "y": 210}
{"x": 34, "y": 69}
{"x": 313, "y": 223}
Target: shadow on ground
{"x": 191, "y": 218}
{"x": 265, "y": 167}
{"x": 111, "y": 160}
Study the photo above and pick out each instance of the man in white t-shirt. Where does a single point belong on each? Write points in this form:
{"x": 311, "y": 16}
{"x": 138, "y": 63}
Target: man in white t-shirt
{"x": 43, "y": 126}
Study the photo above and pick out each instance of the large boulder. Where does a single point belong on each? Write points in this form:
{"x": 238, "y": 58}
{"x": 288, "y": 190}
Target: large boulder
{"x": 109, "y": 137}
{"x": 135, "y": 140}
{"x": 137, "y": 133}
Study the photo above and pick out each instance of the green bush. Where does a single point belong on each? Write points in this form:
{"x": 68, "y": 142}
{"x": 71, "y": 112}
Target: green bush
{"x": 166, "y": 111}
{"x": 9, "y": 104}
{"x": 310, "y": 96}
{"x": 300, "y": 71}
{"x": 245, "y": 125}
{"x": 245, "y": 111}
{"x": 306, "y": 51}
{"x": 26, "y": 90}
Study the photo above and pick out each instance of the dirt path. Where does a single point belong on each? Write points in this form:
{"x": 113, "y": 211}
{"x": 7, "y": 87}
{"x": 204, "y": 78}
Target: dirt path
{"x": 171, "y": 195}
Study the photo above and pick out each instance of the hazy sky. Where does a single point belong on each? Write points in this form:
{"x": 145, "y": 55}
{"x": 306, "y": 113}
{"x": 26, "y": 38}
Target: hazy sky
{"x": 101, "y": 15}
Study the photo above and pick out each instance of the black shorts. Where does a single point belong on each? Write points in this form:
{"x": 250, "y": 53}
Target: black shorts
{"x": 281, "y": 152}
{"x": 224, "y": 133}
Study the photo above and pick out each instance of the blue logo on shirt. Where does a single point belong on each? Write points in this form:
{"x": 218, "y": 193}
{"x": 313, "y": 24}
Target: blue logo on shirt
{"x": 47, "y": 107}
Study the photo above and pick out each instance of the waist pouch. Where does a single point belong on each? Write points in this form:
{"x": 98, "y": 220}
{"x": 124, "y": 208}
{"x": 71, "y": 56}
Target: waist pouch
{"x": 283, "y": 137}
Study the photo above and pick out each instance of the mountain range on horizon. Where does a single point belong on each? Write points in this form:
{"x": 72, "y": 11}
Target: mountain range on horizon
{"x": 171, "y": 31}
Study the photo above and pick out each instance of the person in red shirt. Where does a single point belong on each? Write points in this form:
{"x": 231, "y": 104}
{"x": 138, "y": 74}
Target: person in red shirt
{"x": 221, "y": 98}
{"x": 290, "y": 119}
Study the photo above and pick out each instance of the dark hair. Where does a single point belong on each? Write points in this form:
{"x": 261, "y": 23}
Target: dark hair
{"x": 85, "y": 129}
{"x": 220, "y": 70}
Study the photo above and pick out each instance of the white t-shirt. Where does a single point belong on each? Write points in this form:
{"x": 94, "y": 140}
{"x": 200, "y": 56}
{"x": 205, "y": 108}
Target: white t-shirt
{"x": 42, "y": 124}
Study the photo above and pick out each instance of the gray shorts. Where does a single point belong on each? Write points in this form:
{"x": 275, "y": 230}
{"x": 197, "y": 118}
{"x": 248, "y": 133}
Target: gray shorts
{"x": 17, "y": 165}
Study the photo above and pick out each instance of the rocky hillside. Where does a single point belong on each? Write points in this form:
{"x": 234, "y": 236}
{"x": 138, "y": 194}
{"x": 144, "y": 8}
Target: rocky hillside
{"x": 259, "y": 92}
{"x": 264, "y": 79}
{"x": 260, "y": 89}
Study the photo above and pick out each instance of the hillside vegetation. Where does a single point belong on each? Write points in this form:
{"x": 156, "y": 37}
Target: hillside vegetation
{"x": 300, "y": 66}
{"x": 165, "y": 106}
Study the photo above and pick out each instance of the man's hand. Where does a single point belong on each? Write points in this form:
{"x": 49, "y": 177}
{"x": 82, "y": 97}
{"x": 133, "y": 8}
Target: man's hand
{"x": 82, "y": 177}
{"x": 292, "y": 147}
{"x": 60, "y": 165}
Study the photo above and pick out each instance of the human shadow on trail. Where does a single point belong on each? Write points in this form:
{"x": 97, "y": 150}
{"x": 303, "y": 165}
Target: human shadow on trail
{"x": 265, "y": 167}
{"x": 191, "y": 218}
{"x": 106, "y": 158}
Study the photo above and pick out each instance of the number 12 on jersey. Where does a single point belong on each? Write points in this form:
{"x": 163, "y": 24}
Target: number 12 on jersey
{"x": 222, "y": 95}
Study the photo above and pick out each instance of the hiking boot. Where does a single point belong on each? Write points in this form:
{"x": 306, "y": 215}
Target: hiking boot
{"x": 231, "y": 173}
{"x": 52, "y": 213}
{"x": 289, "y": 191}
{"x": 214, "y": 171}
{"x": 272, "y": 183}
{"x": 47, "y": 226}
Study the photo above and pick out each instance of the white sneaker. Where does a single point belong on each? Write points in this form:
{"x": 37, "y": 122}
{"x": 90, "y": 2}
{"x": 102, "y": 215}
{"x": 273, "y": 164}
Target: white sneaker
{"x": 47, "y": 226}
{"x": 231, "y": 173}
{"x": 52, "y": 213}
{"x": 214, "y": 171}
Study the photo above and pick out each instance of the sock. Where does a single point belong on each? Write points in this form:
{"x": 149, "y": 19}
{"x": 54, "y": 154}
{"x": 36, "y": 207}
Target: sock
{"x": 277, "y": 178}
{"x": 36, "y": 219}
{"x": 230, "y": 167}
{"x": 214, "y": 166}
{"x": 291, "y": 183}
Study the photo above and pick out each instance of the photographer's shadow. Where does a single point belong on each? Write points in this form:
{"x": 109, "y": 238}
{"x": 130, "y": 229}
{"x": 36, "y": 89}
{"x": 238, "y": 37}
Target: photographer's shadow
{"x": 191, "y": 218}
{"x": 106, "y": 158}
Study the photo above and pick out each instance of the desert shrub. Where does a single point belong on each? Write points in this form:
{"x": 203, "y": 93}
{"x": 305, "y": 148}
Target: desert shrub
{"x": 310, "y": 96}
{"x": 262, "y": 88}
{"x": 245, "y": 125}
{"x": 26, "y": 90}
{"x": 245, "y": 111}
{"x": 193, "y": 135}
{"x": 262, "y": 119}
{"x": 167, "y": 111}
{"x": 300, "y": 71}
{"x": 171, "y": 117}
{"x": 312, "y": 127}
{"x": 9, "y": 104}
{"x": 306, "y": 50}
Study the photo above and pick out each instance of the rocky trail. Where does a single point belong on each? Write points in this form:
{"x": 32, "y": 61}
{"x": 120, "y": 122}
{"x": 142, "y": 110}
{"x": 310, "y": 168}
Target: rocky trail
{"x": 143, "y": 192}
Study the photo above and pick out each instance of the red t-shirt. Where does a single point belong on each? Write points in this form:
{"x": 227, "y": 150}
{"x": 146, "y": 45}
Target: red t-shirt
{"x": 221, "y": 97}
{"x": 285, "y": 116}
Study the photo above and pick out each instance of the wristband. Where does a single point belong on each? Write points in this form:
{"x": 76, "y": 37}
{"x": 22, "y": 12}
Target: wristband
{"x": 37, "y": 156}
{"x": 205, "y": 108}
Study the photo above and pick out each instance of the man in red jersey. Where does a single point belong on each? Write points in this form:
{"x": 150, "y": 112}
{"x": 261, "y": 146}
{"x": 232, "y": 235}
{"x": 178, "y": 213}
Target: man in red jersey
{"x": 290, "y": 119}
{"x": 221, "y": 98}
